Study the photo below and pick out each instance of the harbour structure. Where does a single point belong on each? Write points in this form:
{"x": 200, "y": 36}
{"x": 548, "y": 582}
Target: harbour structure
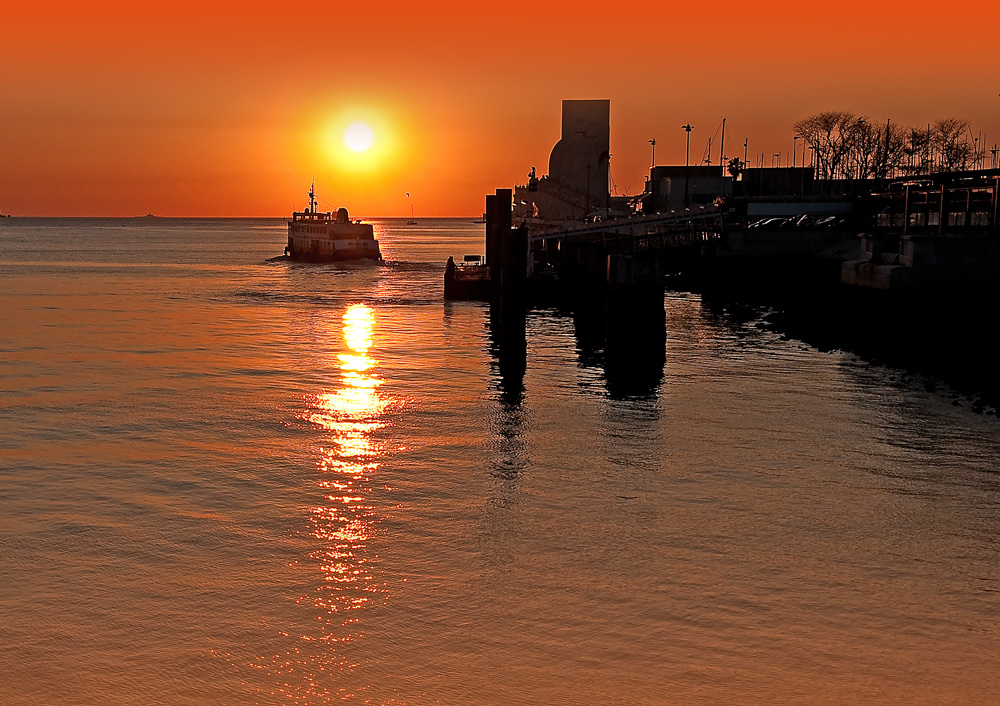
{"x": 918, "y": 287}
{"x": 673, "y": 188}
{"x": 625, "y": 255}
{"x": 935, "y": 233}
{"x": 897, "y": 270}
{"x": 565, "y": 231}
{"x": 325, "y": 236}
{"x": 775, "y": 230}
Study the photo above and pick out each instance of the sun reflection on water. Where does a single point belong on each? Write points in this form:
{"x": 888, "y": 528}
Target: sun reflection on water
{"x": 349, "y": 414}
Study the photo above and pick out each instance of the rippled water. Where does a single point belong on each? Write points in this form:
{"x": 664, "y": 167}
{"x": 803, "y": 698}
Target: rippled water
{"x": 225, "y": 480}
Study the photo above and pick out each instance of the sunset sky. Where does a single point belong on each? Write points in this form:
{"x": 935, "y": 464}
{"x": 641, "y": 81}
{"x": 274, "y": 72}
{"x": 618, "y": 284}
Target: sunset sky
{"x": 230, "y": 109}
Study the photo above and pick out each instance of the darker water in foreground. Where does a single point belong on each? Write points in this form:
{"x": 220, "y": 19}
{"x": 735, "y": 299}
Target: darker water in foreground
{"x": 225, "y": 480}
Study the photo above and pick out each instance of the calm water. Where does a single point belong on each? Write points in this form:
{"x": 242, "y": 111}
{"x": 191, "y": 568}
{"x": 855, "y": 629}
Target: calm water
{"x": 225, "y": 480}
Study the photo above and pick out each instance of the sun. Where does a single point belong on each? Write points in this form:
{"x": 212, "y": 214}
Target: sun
{"x": 359, "y": 137}
{"x": 355, "y": 140}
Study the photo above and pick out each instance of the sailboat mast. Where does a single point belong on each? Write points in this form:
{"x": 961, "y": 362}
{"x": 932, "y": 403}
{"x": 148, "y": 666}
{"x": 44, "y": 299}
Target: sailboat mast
{"x": 722, "y": 144}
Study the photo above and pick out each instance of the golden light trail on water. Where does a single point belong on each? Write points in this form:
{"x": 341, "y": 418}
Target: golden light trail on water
{"x": 313, "y": 669}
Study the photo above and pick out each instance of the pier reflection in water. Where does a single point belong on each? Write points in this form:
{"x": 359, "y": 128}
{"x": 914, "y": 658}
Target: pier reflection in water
{"x": 509, "y": 349}
{"x": 628, "y": 340}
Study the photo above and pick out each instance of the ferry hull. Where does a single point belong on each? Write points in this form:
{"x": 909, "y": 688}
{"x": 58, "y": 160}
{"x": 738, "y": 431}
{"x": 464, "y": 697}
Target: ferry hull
{"x": 345, "y": 256}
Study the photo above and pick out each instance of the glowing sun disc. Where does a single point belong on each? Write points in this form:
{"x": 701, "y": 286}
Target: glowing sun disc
{"x": 358, "y": 137}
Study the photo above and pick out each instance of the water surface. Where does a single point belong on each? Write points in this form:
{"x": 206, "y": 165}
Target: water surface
{"x": 226, "y": 480}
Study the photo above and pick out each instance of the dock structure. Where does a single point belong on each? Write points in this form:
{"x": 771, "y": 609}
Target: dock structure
{"x": 621, "y": 256}
{"x": 874, "y": 265}
{"x": 615, "y": 256}
{"x": 563, "y": 232}
{"x": 926, "y": 236}
{"x": 635, "y": 234}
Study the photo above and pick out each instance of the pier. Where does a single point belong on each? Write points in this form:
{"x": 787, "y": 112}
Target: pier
{"x": 564, "y": 236}
{"x": 625, "y": 255}
{"x": 868, "y": 265}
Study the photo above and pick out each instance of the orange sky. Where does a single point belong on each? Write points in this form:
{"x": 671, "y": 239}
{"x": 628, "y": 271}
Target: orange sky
{"x": 230, "y": 109}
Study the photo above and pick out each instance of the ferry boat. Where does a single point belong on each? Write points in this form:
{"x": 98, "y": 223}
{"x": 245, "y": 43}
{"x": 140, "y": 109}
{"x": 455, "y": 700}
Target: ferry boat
{"x": 318, "y": 236}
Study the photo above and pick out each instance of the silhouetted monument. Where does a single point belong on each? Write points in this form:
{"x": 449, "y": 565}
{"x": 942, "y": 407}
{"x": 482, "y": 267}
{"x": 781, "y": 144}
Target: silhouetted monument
{"x": 577, "y": 182}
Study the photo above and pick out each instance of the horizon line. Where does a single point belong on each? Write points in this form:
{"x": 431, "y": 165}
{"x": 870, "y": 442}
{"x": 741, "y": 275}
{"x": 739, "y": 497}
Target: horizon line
{"x": 156, "y": 216}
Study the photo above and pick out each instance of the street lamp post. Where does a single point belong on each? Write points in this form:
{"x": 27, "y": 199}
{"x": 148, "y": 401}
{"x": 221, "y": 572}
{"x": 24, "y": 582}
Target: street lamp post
{"x": 795, "y": 141}
{"x": 652, "y": 158}
{"x": 687, "y": 160}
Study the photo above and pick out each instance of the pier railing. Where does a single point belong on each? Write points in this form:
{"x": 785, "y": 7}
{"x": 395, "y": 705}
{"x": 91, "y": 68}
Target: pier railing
{"x": 637, "y": 233}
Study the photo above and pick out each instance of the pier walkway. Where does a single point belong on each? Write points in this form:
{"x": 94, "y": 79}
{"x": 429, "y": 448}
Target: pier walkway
{"x": 643, "y": 233}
